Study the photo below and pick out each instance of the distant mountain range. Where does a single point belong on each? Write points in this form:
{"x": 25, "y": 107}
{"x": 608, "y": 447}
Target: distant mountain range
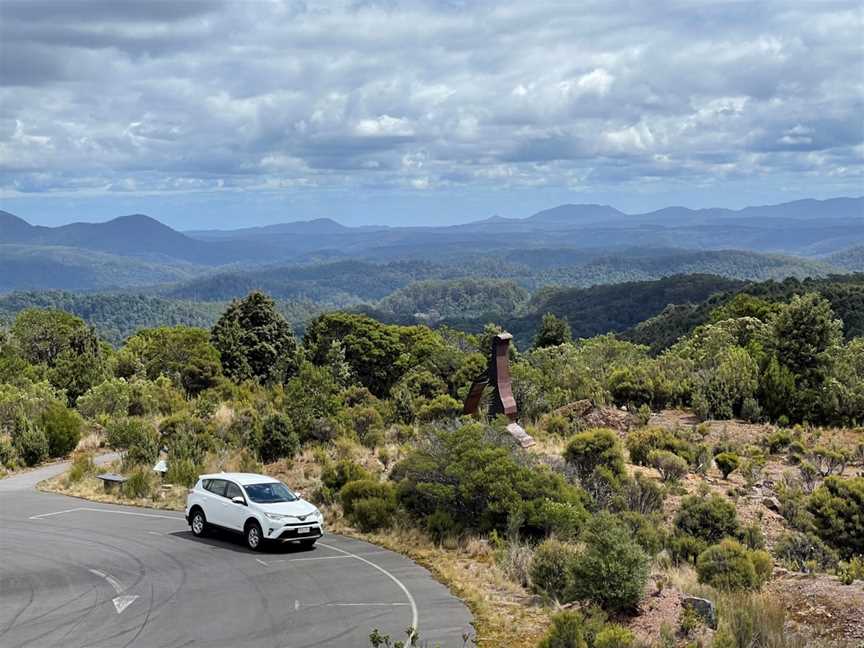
{"x": 576, "y": 245}
{"x": 803, "y": 227}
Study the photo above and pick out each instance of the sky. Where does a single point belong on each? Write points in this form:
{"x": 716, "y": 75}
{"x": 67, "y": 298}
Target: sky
{"x": 226, "y": 114}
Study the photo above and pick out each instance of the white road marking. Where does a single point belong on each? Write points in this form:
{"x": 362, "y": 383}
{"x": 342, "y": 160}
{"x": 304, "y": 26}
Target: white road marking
{"x": 154, "y": 533}
{"x": 258, "y": 560}
{"x": 111, "y": 580}
{"x": 102, "y": 510}
{"x": 122, "y": 602}
{"x": 372, "y": 604}
{"x": 414, "y": 614}
{"x": 290, "y": 560}
{"x": 296, "y": 605}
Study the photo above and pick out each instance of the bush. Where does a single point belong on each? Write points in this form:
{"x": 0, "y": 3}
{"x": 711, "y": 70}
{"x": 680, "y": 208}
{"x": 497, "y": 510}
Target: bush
{"x": 440, "y": 524}
{"x": 30, "y": 442}
{"x": 595, "y": 448}
{"x": 335, "y": 476}
{"x": 62, "y": 427}
{"x": 140, "y": 483}
{"x": 726, "y": 566}
{"x": 647, "y": 531}
{"x": 556, "y": 425}
{"x": 778, "y": 441}
{"x": 670, "y": 466}
{"x": 613, "y": 568}
{"x": 685, "y": 547}
{"x": 552, "y": 569}
{"x": 363, "y": 489}
{"x": 367, "y": 424}
{"x": 837, "y": 507}
{"x": 82, "y": 466}
{"x": 763, "y": 564}
{"x": 440, "y": 407}
{"x": 849, "y": 572}
{"x": 576, "y": 629}
{"x": 641, "y": 442}
{"x": 182, "y": 472}
{"x": 278, "y": 439}
{"x": 710, "y": 518}
{"x": 727, "y": 463}
{"x": 642, "y": 495}
{"x": 8, "y": 455}
{"x": 373, "y": 513}
{"x": 136, "y": 438}
{"x": 472, "y": 472}
{"x": 798, "y": 551}
{"x": 614, "y": 636}
{"x": 562, "y": 519}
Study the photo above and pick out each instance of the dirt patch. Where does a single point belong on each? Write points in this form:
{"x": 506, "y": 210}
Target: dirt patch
{"x": 821, "y": 604}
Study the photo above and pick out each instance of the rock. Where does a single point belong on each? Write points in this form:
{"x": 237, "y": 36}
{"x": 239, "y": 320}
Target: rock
{"x": 704, "y": 608}
{"x": 771, "y": 503}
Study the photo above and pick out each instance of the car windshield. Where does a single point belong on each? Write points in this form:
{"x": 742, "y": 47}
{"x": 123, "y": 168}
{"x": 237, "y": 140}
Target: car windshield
{"x": 270, "y": 493}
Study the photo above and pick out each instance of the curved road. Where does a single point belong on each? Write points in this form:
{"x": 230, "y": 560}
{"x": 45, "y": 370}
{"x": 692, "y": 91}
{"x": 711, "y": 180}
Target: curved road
{"x": 83, "y": 574}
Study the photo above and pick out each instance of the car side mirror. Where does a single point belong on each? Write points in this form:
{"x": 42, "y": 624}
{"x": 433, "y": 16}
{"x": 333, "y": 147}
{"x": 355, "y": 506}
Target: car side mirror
{"x": 238, "y": 500}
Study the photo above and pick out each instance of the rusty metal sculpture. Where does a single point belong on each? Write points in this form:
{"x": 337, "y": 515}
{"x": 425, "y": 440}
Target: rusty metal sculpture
{"x": 497, "y": 375}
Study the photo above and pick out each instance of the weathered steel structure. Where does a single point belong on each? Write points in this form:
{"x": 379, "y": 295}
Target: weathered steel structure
{"x": 497, "y": 375}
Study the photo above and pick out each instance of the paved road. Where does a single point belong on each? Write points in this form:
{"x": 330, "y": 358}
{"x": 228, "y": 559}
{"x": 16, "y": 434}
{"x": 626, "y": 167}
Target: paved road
{"x": 82, "y": 574}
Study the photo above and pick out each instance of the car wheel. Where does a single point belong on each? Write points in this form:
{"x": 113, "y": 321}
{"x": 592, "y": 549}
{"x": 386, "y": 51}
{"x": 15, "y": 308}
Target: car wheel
{"x": 198, "y": 523}
{"x": 254, "y": 537}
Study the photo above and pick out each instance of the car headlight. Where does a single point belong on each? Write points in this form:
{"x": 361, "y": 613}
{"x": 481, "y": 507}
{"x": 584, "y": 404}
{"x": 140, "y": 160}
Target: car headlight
{"x": 317, "y": 515}
{"x": 276, "y": 517}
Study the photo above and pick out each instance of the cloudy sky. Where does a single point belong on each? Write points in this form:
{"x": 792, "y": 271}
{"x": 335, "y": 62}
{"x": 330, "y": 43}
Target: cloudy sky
{"x": 230, "y": 113}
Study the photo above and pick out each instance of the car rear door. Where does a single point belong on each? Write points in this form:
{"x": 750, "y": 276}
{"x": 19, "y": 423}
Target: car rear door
{"x": 214, "y": 496}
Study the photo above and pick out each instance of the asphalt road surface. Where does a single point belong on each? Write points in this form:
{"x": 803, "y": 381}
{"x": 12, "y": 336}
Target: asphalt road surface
{"x": 82, "y": 574}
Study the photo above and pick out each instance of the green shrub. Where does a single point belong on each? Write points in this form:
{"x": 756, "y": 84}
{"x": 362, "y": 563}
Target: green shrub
{"x": 556, "y": 425}
{"x": 440, "y": 524}
{"x": 595, "y": 448}
{"x": 335, "y": 476}
{"x": 567, "y": 631}
{"x": 62, "y": 427}
{"x": 613, "y": 569}
{"x": 373, "y": 513}
{"x": 140, "y": 483}
{"x": 614, "y": 636}
{"x": 646, "y": 530}
{"x": 641, "y": 442}
{"x": 552, "y": 569}
{"x": 726, "y": 566}
{"x": 562, "y": 519}
{"x": 471, "y": 471}
{"x": 797, "y": 550}
{"x": 363, "y": 489}
{"x": 752, "y": 536}
{"x": 440, "y": 407}
{"x": 763, "y": 564}
{"x": 778, "y": 441}
{"x": 367, "y": 424}
{"x": 136, "y": 438}
{"x": 182, "y": 472}
{"x": 709, "y": 518}
{"x": 8, "y": 455}
{"x": 82, "y": 466}
{"x": 30, "y": 442}
{"x": 279, "y": 440}
{"x": 685, "y": 547}
{"x": 837, "y": 507}
{"x": 727, "y": 463}
{"x": 670, "y": 466}
{"x": 642, "y": 494}
{"x": 849, "y": 572}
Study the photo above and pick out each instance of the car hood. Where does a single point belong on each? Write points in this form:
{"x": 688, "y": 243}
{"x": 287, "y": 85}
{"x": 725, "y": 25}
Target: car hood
{"x": 296, "y": 508}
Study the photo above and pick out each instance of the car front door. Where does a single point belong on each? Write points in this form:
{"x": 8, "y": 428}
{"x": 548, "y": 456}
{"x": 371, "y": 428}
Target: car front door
{"x": 235, "y": 514}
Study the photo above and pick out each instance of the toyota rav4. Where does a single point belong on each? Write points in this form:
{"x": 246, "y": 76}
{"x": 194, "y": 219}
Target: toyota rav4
{"x": 259, "y": 507}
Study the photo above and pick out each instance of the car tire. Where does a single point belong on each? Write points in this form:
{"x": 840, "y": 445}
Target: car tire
{"x": 254, "y": 536}
{"x": 198, "y": 523}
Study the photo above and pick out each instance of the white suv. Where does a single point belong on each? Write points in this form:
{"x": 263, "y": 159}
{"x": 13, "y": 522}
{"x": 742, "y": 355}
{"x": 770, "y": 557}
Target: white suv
{"x": 259, "y": 507}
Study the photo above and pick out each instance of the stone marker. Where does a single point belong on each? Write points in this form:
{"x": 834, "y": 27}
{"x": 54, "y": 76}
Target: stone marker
{"x": 703, "y": 607}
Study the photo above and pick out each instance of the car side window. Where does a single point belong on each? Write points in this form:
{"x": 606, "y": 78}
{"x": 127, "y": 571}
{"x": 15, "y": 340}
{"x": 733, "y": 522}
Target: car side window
{"x": 233, "y": 490}
{"x": 205, "y": 484}
{"x": 217, "y": 487}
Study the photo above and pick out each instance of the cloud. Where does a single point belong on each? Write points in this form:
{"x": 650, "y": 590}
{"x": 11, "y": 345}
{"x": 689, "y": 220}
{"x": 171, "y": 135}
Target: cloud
{"x": 196, "y": 95}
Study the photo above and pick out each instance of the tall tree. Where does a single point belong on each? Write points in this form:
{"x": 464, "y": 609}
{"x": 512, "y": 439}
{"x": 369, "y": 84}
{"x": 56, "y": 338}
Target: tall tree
{"x": 255, "y": 341}
{"x": 553, "y": 331}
